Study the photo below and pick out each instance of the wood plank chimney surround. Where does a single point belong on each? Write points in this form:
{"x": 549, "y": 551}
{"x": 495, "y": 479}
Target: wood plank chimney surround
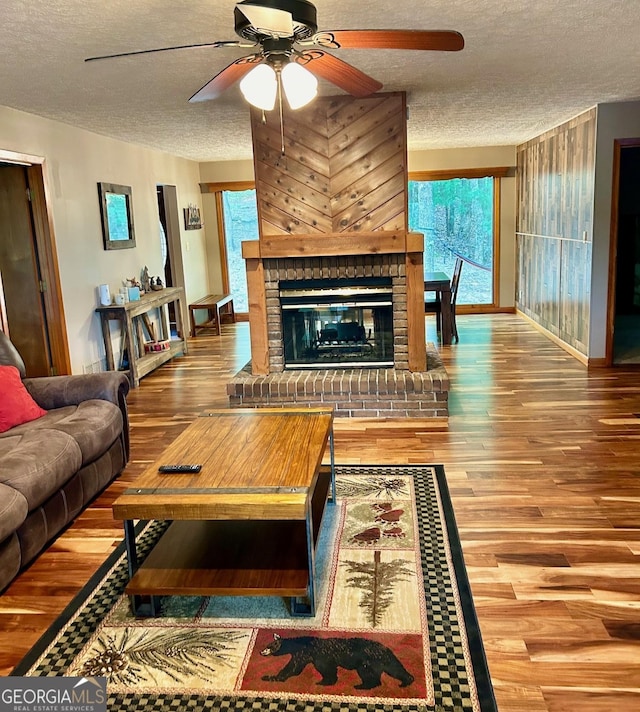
{"x": 331, "y": 186}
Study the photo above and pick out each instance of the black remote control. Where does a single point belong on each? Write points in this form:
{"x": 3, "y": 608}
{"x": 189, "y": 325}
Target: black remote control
{"x": 179, "y": 469}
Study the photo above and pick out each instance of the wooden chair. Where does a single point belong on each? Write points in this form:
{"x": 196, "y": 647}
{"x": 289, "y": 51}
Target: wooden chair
{"x": 435, "y": 306}
{"x": 455, "y": 281}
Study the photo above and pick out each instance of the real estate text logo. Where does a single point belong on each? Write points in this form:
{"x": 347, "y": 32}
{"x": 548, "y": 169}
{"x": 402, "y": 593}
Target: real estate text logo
{"x": 53, "y": 694}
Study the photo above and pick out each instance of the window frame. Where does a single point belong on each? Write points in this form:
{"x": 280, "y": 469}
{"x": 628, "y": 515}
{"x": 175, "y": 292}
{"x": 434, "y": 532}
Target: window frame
{"x": 496, "y": 173}
{"x": 217, "y": 189}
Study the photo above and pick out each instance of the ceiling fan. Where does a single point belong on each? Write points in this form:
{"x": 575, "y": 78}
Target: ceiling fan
{"x": 285, "y": 35}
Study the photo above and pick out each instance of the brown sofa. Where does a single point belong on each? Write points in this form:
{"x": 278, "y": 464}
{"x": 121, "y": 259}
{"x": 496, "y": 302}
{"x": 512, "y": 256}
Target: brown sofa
{"x": 52, "y": 467}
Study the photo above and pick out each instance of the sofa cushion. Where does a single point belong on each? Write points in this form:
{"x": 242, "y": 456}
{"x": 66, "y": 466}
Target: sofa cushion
{"x": 13, "y": 510}
{"x": 16, "y": 406}
{"x": 38, "y": 462}
{"x": 93, "y": 424}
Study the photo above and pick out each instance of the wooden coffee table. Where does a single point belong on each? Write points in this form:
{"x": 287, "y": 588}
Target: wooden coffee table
{"x": 248, "y": 522}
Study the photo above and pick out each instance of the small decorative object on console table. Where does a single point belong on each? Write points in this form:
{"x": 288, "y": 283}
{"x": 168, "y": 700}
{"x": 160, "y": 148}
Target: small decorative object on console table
{"x": 105, "y": 295}
{"x": 145, "y": 281}
{"x": 154, "y": 346}
{"x": 134, "y": 317}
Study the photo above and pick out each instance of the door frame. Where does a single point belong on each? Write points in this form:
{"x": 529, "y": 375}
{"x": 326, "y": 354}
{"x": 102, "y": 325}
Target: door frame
{"x": 45, "y": 245}
{"x": 174, "y": 245}
{"x": 619, "y": 144}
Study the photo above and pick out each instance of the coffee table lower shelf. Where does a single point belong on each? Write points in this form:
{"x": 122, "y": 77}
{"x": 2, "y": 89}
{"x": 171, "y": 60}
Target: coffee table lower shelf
{"x": 221, "y": 557}
{"x": 226, "y": 558}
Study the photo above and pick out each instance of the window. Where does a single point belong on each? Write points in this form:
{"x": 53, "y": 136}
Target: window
{"x": 457, "y": 214}
{"x": 238, "y": 218}
{"x": 456, "y": 211}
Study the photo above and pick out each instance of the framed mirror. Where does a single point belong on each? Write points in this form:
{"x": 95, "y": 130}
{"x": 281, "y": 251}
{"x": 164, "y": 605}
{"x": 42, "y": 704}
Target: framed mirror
{"x": 116, "y": 211}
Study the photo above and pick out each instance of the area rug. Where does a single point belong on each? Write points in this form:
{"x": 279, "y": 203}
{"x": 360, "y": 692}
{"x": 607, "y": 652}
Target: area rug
{"x": 394, "y": 628}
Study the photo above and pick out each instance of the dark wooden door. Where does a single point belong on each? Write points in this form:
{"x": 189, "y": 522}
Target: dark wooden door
{"x": 21, "y": 273}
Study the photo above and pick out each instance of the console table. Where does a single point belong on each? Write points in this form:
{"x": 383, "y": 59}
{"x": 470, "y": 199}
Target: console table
{"x": 134, "y": 318}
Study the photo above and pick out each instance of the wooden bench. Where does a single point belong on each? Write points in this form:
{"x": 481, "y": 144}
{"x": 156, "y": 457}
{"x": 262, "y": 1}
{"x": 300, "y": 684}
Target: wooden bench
{"x": 212, "y": 303}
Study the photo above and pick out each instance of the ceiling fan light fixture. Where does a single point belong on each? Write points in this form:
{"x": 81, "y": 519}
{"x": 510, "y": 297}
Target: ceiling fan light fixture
{"x": 300, "y": 86}
{"x": 260, "y": 87}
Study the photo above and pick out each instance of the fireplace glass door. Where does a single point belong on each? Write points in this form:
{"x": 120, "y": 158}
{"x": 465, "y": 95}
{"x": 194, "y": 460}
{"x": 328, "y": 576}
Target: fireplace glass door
{"x": 337, "y": 323}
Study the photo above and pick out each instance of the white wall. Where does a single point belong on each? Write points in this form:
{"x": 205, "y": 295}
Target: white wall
{"x": 75, "y": 162}
{"x": 226, "y": 171}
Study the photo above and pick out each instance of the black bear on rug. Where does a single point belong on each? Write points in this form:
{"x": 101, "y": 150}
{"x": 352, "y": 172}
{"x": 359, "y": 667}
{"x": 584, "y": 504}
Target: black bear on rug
{"x": 367, "y": 657}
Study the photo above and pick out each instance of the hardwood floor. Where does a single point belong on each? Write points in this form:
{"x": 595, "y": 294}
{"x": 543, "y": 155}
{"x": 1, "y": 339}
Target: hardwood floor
{"x": 542, "y": 459}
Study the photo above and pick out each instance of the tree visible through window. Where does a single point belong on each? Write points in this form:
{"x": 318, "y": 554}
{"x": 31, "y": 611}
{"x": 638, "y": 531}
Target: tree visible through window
{"x": 457, "y": 220}
{"x": 240, "y": 223}
{"x": 455, "y": 215}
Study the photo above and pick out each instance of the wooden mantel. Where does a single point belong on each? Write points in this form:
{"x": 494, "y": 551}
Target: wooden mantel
{"x": 333, "y": 244}
{"x": 410, "y": 244}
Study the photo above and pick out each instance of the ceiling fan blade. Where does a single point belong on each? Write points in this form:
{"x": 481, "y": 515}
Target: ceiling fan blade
{"x": 443, "y": 40}
{"x": 340, "y": 73}
{"x": 268, "y": 20}
{"x": 229, "y": 43}
{"x": 228, "y": 76}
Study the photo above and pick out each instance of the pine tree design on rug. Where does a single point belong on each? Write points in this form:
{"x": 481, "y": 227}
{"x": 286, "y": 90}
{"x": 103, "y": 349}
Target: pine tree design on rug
{"x": 377, "y": 580}
{"x": 134, "y": 656}
{"x": 389, "y": 487}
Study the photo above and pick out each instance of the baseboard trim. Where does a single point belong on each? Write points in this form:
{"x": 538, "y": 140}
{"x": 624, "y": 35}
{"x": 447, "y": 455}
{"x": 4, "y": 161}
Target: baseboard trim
{"x": 483, "y": 309}
{"x": 584, "y": 360}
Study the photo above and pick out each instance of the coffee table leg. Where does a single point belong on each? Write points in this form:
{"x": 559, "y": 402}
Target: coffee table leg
{"x": 307, "y": 606}
{"x": 140, "y": 605}
{"x": 130, "y": 544}
{"x": 332, "y": 499}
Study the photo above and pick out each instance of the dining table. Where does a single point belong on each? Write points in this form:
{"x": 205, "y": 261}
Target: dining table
{"x": 440, "y": 283}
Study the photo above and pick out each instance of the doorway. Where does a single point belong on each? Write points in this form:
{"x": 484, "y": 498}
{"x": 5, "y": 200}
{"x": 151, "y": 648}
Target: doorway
{"x": 31, "y": 293}
{"x": 625, "y": 338}
{"x": 169, "y": 235}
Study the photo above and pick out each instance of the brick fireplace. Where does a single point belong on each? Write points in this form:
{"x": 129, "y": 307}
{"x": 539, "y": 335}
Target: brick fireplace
{"x": 417, "y": 384}
{"x": 333, "y": 207}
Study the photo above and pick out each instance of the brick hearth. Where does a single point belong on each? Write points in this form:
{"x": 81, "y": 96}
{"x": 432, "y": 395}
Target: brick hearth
{"x": 362, "y": 393}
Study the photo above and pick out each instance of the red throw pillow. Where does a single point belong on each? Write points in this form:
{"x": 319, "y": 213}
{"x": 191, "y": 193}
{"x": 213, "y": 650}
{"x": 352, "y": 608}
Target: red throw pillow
{"x": 16, "y": 405}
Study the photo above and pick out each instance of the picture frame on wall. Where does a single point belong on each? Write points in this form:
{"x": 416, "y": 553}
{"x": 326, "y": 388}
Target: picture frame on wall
{"x": 192, "y": 219}
{"x": 116, "y": 212}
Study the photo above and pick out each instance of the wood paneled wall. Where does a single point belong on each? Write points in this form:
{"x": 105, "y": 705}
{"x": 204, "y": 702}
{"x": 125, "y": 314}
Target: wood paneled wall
{"x": 344, "y": 166}
{"x": 555, "y": 200}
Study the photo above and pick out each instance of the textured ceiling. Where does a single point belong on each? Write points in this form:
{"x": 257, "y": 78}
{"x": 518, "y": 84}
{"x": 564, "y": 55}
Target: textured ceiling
{"x": 527, "y": 66}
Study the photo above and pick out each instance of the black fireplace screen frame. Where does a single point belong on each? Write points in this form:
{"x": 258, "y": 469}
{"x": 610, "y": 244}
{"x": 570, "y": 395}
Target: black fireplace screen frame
{"x": 338, "y": 323}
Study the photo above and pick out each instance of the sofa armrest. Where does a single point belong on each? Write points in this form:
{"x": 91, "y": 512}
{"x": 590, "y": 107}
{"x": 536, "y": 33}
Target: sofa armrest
{"x": 51, "y": 392}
